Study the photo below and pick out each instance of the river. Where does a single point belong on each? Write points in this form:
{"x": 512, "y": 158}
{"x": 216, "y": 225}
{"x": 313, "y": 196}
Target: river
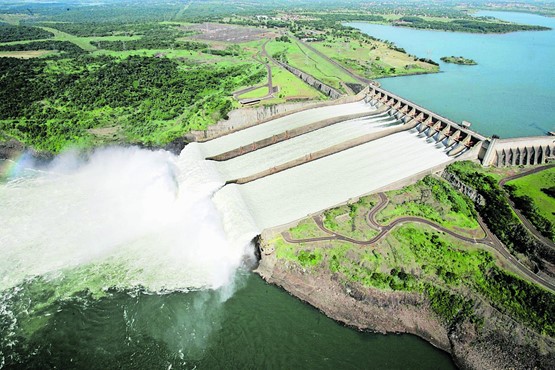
{"x": 509, "y": 93}
{"x": 126, "y": 260}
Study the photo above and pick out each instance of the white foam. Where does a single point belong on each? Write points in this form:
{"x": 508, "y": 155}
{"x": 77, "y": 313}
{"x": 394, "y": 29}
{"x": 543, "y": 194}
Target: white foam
{"x": 276, "y": 126}
{"x": 149, "y": 212}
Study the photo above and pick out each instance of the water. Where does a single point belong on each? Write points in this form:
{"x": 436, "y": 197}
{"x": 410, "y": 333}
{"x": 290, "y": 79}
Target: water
{"x": 127, "y": 260}
{"x": 509, "y": 93}
{"x": 297, "y": 147}
{"x": 280, "y": 125}
{"x": 335, "y": 179}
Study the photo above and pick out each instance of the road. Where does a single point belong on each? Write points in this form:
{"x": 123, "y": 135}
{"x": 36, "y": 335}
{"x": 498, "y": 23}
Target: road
{"x": 356, "y": 77}
{"x": 489, "y": 240}
{"x": 529, "y": 226}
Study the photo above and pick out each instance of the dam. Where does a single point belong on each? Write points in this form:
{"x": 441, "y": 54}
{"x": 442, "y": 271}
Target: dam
{"x": 286, "y": 168}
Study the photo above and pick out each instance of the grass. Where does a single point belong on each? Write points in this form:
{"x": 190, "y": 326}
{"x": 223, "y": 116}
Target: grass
{"x": 257, "y": 93}
{"x": 290, "y": 87}
{"x": 306, "y": 60}
{"x": 371, "y": 60}
{"x": 434, "y": 200}
{"x": 350, "y": 219}
{"x": 82, "y": 42}
{"x": 531, "y": 186}
{"x": 306, "y": 228}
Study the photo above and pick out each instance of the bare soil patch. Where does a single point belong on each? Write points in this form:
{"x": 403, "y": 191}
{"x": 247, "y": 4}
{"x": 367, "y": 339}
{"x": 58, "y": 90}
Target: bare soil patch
{"x": 24, "y": 54}
{"x": 227, "y": 32}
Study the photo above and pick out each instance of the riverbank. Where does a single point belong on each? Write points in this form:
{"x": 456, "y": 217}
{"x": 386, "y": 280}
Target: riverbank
{"x": 498, "y": 342}
{"x": 417, "y": 260}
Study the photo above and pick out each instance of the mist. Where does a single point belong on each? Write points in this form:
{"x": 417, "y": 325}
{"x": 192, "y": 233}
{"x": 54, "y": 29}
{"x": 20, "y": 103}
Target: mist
{"x": 147, "y": 215}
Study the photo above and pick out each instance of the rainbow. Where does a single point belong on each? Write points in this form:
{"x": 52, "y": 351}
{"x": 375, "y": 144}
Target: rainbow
{"x": 12, "y": 168}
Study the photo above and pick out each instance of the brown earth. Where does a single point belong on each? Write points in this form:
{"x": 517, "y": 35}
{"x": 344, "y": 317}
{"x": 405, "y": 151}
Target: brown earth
{"x": 498, "y": 343}
{"x": 228, "y": 32}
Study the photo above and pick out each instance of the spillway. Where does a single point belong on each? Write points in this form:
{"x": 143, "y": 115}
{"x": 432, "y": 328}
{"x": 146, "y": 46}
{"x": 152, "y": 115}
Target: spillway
{"x": 273, "y": 155}
{"x": 292, "y": 194}
{"x": 279, "y": 125}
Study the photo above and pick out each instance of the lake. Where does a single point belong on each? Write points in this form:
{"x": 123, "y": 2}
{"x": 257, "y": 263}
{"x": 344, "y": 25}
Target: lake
{"x": 509, "y": 93}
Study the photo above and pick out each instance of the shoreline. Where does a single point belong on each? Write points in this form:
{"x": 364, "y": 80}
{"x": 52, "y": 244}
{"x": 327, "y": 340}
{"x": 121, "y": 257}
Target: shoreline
{"x": 499, "y": 342}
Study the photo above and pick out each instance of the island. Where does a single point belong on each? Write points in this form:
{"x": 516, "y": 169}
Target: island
{"x": 459, "y": 60}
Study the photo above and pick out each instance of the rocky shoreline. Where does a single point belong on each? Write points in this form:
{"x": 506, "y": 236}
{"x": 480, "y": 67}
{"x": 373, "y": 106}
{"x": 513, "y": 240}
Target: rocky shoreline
{"x": 497, "y": 343}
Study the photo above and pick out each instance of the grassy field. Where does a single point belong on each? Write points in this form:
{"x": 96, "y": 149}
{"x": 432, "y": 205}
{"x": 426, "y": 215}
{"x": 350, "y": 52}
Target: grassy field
{"x": 82, "y": 42}
{"x": 306, "y": 60}
{"x": 257, "y": 93}
{"x": 350, "y": 219}
{"x": 306, "y": 228}
{"x": 291, "y": 87}
{"x": 371, "y": 60}
{"x": 532, "y": 186}
{"x": 436, "y": 201}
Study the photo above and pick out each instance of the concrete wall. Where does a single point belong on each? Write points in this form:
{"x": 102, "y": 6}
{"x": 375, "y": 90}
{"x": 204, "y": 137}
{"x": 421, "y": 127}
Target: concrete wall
{"x": 323, "y": 153}
{"x": 312, "y": 81}
{"x": 244, "y": 118}
{"x": 520, "y": 151}
{"x": 289, "y": 134}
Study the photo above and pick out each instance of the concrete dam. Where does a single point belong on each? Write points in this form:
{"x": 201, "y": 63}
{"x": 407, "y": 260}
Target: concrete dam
{"x": 287, "y": 168}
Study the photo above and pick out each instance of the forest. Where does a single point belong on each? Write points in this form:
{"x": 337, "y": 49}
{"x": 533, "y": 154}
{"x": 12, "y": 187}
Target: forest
{"x": 50, "y": 104}
{"x": 465, "y": 25}
{"x": 9, "y": 33}
{"x": 499, "y": 216}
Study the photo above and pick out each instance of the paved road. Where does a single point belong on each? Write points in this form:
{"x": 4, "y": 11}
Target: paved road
{"x": 269, "y": 84}
{"x": 489, "y": 240}
{"x": 362, "y": 80}
{"x": 531, "y": 228}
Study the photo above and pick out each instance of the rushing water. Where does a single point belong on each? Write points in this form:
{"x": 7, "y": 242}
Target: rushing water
{"x": 125, "y": 259}
{"x": 509, "y": 93}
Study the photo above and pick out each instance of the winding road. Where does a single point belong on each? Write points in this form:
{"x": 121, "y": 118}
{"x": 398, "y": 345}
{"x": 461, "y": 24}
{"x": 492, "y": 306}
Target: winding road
{"x": 489, "y": 240}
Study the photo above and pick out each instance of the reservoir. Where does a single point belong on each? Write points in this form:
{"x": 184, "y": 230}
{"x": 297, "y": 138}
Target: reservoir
{"x": 509, "y": 93}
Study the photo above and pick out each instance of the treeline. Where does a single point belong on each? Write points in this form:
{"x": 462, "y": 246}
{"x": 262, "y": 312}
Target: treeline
{"x": 153, "y": 100}
{"x": 499, "y": 216}
{"x": 465, "y": 25}
{"x": 102, "y": 29}
{"x": 528, "y": 302}
{"x": 149, "y": 43}
{"x": 10, "y": 33}
{"x": 65, "y": 46}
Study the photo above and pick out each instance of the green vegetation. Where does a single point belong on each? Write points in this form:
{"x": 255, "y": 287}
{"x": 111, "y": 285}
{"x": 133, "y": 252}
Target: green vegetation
{"x": 298, "y": 56}
{"x": 435, "y": 200}
{"x": 459, "y": 60}
{"x": 453, "y": 275}
{"x": 473, "y": 25}
{"x": 349, "y": 220}
{"x": 532, "y": 196}
{"x": 499, "y": 216}
{"x": 17, "y": 33}
{"x": 307, "y": 228}
{"x": 152, "y": 100}
{"x": 69, "y": 48}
